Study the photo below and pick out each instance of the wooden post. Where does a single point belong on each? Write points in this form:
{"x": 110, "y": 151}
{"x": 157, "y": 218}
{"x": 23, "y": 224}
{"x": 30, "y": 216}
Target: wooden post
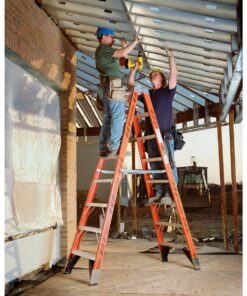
{"x": 222, "y": 187}
{"x": 134, "y": 189}
{"x": 234, "y": 183}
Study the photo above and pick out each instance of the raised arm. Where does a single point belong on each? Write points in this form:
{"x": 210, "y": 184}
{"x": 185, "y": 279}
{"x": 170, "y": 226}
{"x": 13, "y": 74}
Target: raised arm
{"x": 123, "y": 52}
{"x": 173, "y": 68}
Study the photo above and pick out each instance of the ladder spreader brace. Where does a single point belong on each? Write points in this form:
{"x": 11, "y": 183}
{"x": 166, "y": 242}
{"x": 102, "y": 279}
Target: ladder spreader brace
{"x": 95, "y": 260}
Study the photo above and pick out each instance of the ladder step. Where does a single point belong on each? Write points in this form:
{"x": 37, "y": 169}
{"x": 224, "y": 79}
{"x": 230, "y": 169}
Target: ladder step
{"x": 149, "y": 137}
{"x": 90, "y": 229}
{"x": 169, "y": 224}
{"x": 152, "y": 159}
{"x": 83, "y": 254}
{"x": 103, "y": 181}
{"x": 173, "y": 245}
{"x": 96, "y": 204}
{"x": 145, "y": 114}
{"x": 168, "y": 245}
{"x": 157, "y": 181}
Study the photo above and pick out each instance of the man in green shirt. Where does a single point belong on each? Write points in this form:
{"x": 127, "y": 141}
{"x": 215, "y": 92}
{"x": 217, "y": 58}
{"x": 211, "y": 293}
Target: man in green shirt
{"x": 106, "y": 58}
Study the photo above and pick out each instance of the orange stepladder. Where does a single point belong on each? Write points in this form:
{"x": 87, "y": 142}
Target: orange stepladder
{"x": 96, "y": 259}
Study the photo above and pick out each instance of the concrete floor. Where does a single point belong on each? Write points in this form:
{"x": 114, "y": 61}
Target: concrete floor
{"x": 125, "y": 271}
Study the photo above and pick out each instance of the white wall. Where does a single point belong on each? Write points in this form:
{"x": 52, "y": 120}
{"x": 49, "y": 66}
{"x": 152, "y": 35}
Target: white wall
{"x": 27, "y": 254}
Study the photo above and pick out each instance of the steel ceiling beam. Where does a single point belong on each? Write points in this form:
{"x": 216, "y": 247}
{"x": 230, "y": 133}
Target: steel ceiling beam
{"x": 233, "y": 86}
{"x": 164, "y": 13}
{"x": 201, "y": 51}
{"x": 201, "y": 7}
{"x": 158, "y": 52}
{"x": 171, "y": 26}
{"x": 184, "y": 39}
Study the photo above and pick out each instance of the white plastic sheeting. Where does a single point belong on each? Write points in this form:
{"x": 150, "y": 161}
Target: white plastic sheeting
{"x": 33, "y": 141}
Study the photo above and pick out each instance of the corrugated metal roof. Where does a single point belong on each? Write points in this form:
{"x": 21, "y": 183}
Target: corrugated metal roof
{"x": 204, "y": 35}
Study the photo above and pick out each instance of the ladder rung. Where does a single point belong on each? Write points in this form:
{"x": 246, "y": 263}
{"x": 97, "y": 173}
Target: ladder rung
{"x": 169, "y": 224}
{"x": 152, "y": 159}
{"x": 96, "y": 204}
{"x": 168, "y": 245}
{"x": 145, "y": 114}
{"x": 103, "y": 181}
{"x": 172, "y": 245}
{"x": 149, "y": 137}
{"x": 83, "y": 254}
{"x": 90, "y": 229}
{"x": 157, "y": 181}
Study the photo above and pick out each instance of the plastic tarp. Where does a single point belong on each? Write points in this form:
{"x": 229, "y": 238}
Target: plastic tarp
{"x": 32, "y": 145}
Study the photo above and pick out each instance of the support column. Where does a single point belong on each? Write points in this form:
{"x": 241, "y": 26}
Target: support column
{"x": 68, "y": 169}
{"x": 222, "y": 187}
{"x": 234, "y": 183}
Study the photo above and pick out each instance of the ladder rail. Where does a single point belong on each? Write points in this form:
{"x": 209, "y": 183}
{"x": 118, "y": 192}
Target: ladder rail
{"x": 173, "y": 185}
{"x": 149, "y": 187}
{"x": 86, "y": 209}
{"x": 115, "y": 183}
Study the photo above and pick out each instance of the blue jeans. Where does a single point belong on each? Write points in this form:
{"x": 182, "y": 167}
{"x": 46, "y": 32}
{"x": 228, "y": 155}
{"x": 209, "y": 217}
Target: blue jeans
{"x": 153, "y": 151}
{"x": 113, "y": 123}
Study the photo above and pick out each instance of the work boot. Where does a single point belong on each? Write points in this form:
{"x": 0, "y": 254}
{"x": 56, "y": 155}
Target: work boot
{"x": 155, "y": 199}
{"x": 166, "y": 200}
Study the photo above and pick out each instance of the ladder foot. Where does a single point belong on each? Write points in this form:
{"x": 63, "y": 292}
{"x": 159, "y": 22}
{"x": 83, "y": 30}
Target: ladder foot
{"x": 194, "y": 261}
{"x": 90, "y": 263}
{"x": 95, "y": 276}
{"x": 70, "y": 263}
{"x": 164, "y": 250}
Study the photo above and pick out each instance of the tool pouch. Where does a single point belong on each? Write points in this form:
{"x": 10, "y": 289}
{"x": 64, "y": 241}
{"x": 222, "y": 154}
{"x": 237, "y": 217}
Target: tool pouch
{"x": 117, "y": 91}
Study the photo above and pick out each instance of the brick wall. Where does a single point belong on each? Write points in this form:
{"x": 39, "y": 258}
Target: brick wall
{"x": 35, "y": 41}
{"x": 33, "y": 36}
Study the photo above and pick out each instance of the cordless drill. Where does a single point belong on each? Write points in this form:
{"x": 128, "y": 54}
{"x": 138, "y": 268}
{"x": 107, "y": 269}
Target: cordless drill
{"x": 129, "y": 64}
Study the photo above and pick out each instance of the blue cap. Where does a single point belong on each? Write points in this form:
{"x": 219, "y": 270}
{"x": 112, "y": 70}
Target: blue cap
{"x": 104, "y": 31}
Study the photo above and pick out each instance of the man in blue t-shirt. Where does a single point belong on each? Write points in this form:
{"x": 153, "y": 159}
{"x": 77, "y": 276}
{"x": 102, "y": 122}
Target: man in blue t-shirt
{"x": 161, "y": 94}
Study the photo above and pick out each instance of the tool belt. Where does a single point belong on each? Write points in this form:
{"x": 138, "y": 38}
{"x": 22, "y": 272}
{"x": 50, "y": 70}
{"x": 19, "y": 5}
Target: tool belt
{"x": 115, "y": 90}
{"x": 172, "y": 133}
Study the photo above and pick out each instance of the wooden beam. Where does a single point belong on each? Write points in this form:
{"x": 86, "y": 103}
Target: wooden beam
{"x": 213, "y": 110}
{"x": 181, "y": 117}
{"x": 234, "y": 183}
{"x": 222, "y": 187}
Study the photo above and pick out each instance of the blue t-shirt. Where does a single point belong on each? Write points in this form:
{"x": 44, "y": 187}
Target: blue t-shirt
{"x": 162, "y": 102}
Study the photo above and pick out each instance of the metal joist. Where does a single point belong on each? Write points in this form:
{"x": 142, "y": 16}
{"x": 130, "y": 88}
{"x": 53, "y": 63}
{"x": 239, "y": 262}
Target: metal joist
{"x": 169, "y": 26}
{"x": 184, "y": 48}
{"x": 107, "y": 4}
{"x": 157, "y": 53}
{"x": 205, "y": 95}
{"x": 77, "y": 10}
{"x": 203, "y": 74}
{"x": 190, "y": 95}
{"x": 196, "y": 66}
{"x": 201, "y": 7}
{"x": 184, "y": 39}
{"x": 183, "y": 100}
{"x": 88, "y": 24}
{"x": 182, "y": 17}
{"x": 233, "y": 86}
